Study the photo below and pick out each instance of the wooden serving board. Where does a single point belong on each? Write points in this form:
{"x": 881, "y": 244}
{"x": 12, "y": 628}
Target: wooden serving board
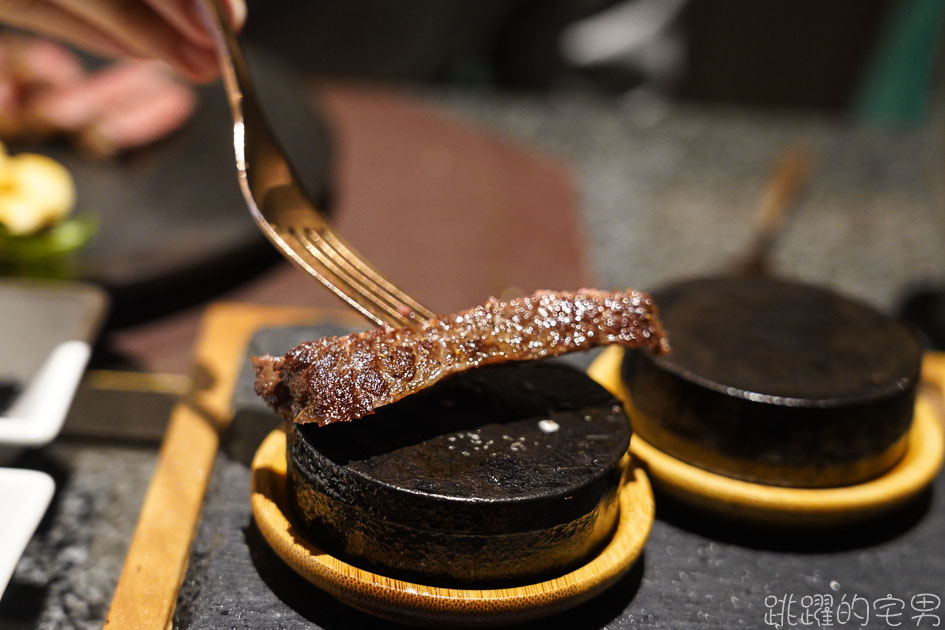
{"x": 695, "y": 572}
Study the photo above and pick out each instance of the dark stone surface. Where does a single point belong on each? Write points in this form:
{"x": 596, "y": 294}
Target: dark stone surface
{"x": 784, "y": 340}
{"x": 786, "y": 374}
{"x": 454, "y": 443}
{"x": 500, "y": 475}
{"x": 696, "y": 572}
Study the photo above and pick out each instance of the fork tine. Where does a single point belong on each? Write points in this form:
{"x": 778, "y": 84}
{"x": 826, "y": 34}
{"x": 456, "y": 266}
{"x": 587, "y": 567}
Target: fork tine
{"x": 289, "y": 218}
{"x": 373, "y": 277}
{"x": 316, "y": 263}
{"x": 343, "y": 268}
{"x": 284, "y": 212}
{"x": 292, "y": 211}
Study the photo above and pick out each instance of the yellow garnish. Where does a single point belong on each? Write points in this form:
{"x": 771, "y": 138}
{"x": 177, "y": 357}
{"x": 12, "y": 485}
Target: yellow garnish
{"x": 35, "y": 192}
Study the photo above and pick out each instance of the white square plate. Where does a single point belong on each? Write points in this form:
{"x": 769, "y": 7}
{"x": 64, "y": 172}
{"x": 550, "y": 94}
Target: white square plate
{"x": 46, "y": 331}
{"x": 24, "y": 497}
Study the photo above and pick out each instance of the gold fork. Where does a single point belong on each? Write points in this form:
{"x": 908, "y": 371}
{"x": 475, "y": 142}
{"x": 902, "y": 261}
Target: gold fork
{"x": 282, "y": 210}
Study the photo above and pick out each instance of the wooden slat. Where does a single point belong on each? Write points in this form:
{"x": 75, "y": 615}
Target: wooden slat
{"x": 933, "y": 370}
{"x": 157, "y": 557}
{"x": 933, "y": 377}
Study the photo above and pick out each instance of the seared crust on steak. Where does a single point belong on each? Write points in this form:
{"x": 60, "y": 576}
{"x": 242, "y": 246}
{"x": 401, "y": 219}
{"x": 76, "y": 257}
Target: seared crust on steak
{"x": 335, "y": 379}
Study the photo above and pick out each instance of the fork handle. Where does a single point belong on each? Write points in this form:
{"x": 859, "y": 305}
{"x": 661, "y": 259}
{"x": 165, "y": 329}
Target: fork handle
{"x": 267, "y": 181}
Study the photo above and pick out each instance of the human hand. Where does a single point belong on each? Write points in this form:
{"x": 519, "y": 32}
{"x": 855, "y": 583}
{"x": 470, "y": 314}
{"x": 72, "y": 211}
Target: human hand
{"x": 170, "y": 30}
{"x": 45, "y": 91}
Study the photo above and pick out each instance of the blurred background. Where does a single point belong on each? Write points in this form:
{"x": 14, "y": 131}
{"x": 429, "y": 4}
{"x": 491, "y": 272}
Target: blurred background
{"x": 873, "y": 59}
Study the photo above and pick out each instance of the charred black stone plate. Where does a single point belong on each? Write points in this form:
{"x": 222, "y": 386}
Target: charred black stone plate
{"x": 503, "y": 475}
{"x": 776, "y": 382}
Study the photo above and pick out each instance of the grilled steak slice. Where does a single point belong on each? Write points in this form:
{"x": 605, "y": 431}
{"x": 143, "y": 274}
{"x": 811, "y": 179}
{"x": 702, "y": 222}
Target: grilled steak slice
{"x": 335, "y": 379}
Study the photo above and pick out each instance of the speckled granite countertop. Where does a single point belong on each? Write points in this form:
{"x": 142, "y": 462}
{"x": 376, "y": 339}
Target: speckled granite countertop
{"x": 670, "y": 190}
{"x": 667, "y": 191}
{"x": 68, "y": 573}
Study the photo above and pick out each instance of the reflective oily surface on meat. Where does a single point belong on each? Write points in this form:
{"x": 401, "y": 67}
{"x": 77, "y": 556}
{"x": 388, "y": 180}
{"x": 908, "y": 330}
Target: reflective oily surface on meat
{"x": 342, "y": 378}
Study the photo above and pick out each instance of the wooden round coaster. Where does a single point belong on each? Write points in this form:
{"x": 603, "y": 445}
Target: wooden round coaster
{"x": 408, "y": 602}
{"x": 783, "y": 505}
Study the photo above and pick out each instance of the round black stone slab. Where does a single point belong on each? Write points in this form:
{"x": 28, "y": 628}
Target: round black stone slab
{"x": 776, "y": 382}
{"x": 502, "y": 475}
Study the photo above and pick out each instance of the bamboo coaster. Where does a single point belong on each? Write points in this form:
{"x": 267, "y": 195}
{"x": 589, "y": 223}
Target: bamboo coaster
{"x": 781, "y": 505}
{"x": 407, "y": 602}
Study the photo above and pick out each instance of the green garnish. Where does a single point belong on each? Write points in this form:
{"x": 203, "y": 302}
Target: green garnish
{"x": 51, "y": 243}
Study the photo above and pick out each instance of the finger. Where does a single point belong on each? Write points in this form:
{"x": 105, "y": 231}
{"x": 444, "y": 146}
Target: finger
{"x": 136, "y": 26}
{"x": 185, "y": 17}
{"x": 140, "y": 121}
{"x": 75, "y": 106}
{"x": 236, "y": 10}
{"x": 46, "y": 19}
{"x": 44, "y": 62}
